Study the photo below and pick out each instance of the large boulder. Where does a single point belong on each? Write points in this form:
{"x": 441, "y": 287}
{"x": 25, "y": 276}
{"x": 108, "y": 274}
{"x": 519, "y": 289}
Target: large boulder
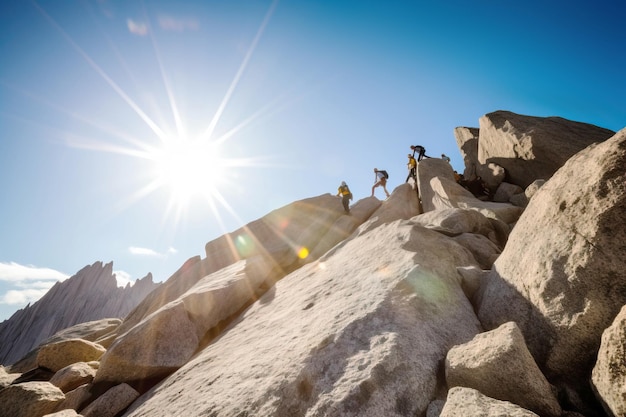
{"x": 485, "y": 251}
{"x": 112, "y": 402}
{"x": 154, "y": 348}
{"x": 561, "y": 277}
{"x": 73, "y": 376}
{"x": 350, "y": 333}
{"x": 609, "y": 373}
{"x": 438, "y": 190}
{"x": 498, "y": 364}
{"x": 166, "y": 339}
{"x": 29, "y": 399}
{"x": 402, "y": 204}
{"x": 79, "y": 397}
{"x": 464, "y": 402}
{"x": 55, "y": 356}
{"x": 467, "y": 142}
{"x": 531, "y": 148}
{"x": 456, "y": 221}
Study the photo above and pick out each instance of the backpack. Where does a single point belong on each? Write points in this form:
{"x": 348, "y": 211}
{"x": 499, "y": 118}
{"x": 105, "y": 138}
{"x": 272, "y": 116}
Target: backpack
{"x": 384, "y": 173}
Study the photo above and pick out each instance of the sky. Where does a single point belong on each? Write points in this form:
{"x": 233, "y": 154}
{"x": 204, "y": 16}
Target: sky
{"x": 135, "y": 132}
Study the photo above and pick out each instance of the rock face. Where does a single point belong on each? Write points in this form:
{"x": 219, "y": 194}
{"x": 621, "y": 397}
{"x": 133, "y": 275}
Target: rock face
{"x": 570, "y": 243}
{"x": 29, "y": 399}
{"x": 609, "y": 373}
{"x": 451, "y": 307}
{"x": 91, "y": 294}
{"x": 467, "y": 141}
{"x": 439, "y": 190}
{"x": 465, "y": 402}
{"x": 531, "y": 148}
{"x": 55, "y": 356}
{"x": 498, "y": 364}
{"x": 351, "y": 334}
{"x": 278, "y": 243}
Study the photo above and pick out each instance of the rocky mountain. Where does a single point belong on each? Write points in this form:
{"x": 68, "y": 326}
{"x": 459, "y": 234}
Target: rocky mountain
{"x": 91, "y": 294}
{"x": 438, "y": 301}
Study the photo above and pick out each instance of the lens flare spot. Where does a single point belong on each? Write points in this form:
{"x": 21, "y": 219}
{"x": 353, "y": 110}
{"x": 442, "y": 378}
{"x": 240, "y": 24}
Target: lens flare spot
{"x": 283, "y": 224}
{"x": 427, "y": 286}
{"x": 244, "y": 245}
{"x": 303, "y": 253}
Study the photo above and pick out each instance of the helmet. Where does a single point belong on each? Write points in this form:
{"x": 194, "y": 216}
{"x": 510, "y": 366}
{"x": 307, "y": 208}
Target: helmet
{"x": 410, "y": 156}
{"x": 343, "y": 183}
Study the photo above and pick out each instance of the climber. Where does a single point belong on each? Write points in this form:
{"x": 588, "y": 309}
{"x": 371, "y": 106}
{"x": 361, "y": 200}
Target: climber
{"x": 411, "y": 165}
{"x": 380, "y": 178}
{"x": 344, "y": 192}
{"x": 421, "y": 152}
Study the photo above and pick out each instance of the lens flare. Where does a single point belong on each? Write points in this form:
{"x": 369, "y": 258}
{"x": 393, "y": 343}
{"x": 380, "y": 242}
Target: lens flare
{"x": 245, "y": 245}
{"x": 303, "y": 253}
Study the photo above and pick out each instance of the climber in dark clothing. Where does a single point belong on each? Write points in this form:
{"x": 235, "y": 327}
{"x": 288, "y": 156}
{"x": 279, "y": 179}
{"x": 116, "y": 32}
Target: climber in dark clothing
{"x": 421, "y": 152}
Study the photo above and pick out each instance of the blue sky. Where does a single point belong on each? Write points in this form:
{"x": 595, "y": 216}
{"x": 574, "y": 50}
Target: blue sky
{"x": 263, "y": 103}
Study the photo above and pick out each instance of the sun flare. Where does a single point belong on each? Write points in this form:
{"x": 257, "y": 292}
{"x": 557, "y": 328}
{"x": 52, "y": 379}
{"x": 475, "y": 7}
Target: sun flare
{"x": 188, "y": 168}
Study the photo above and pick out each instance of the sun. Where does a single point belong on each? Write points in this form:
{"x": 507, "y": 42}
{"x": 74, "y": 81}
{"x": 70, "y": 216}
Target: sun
{"x": 188, "y": 168}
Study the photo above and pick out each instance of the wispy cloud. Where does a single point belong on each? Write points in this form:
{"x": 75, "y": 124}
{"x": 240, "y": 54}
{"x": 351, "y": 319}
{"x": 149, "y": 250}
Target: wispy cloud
{"x": 173, "y": 24}
{"x": 135, "y": 250}
{"x": 137, "y": 28}
{"x": 15, "y": 272}
{"x": 143, "y": 251}
{"x": 22, "y": 297}
{"x": 29, "y": 283}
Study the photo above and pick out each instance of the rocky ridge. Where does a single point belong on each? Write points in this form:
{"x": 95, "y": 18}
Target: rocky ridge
{"x": 90, "y": 294}
{"x": 442, "y": 305}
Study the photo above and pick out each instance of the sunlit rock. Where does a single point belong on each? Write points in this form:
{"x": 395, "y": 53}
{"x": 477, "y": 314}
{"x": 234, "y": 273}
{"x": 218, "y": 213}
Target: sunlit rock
{"x": 55, "y": 356}
{"x": 73, "y": 376}
{"x": 29, "y": 399}
{"x": 362, "y": 331}
{"x": 609, "y": 372}
{"x": 531, "y": 148}
{"x": 561, "y": 276}
{"x": 465, "y": 402}
{"x": 498, "y": 364}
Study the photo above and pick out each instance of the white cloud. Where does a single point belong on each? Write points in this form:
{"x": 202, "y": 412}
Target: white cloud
{"x": 178, "y": 25}
{"x": 22, "y": 297}
{"x": 136, "y": 250}
{"x": 144, "y": 251}
{"x": 123, "y": 278}
{"x": 36, "y": 284}
{"x": 29, "y": 283}
{"x": 14, "y": 272}
{"x": 137, "y": 28}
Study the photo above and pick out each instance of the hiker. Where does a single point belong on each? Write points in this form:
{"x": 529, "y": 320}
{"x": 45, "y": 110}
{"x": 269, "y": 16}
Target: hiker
{"x": 344, "y": 192}
{"x": 421, "y": 152}
{"x": 380, "y": 178}
{"x": 411, "y": 167}
{"x": 445, "y": 158}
